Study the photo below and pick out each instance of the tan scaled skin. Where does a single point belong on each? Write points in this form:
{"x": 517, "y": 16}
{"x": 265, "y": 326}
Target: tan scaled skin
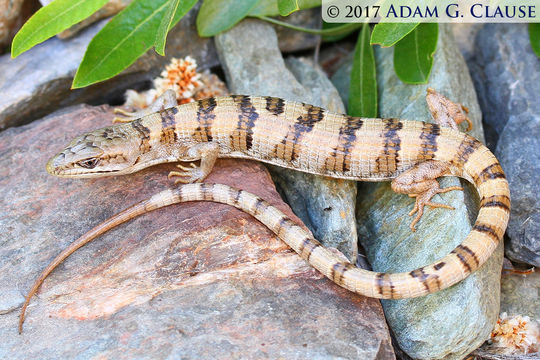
{"x": 306, "y": 138}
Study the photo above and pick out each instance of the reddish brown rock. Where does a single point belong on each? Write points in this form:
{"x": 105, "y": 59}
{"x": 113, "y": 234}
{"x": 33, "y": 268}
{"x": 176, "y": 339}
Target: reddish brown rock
{"x": 195, "y": 280}
{"x": 13, "y": 14}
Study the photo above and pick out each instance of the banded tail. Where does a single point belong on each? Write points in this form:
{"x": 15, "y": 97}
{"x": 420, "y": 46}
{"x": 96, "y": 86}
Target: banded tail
{"x": 464, "y": 259}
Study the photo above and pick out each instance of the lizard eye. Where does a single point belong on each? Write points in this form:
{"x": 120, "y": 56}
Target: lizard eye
{"x": 88, "y": 163}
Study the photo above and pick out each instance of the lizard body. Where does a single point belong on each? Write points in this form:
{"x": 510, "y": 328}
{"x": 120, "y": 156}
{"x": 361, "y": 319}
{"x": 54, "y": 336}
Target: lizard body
{"x": 305, "y": 138}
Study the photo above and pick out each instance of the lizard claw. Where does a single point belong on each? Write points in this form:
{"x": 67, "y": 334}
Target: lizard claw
{"x": 187, "y": 174}
{"x": 424, "y": 199}
{"x": 126, "y": 116}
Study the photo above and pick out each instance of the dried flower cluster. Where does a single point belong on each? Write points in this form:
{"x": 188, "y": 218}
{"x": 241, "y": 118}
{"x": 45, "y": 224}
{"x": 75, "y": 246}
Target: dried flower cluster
{"x": 515, "y": 335}
{"x": 180, "y": 75}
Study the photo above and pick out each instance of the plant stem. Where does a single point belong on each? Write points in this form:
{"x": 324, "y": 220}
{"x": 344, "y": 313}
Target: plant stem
{"x": 339, "y": 30}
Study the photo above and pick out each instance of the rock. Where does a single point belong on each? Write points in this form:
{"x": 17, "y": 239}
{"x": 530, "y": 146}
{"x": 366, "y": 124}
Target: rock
{"x": 253, "y": 65}
{"x": 13, "y": 13}
{"x": 196, "y": 280}
{"x": 451, "y": 323}
{"x": 292, "y": 40}
{"x": 464, "y": 34}
{"x": 507, "y": 76}
{"x": 520, "y": 295}
{"x": 39, "y": 80}
{"x": 323, "y": 92}
{"x": 517, "y": 150}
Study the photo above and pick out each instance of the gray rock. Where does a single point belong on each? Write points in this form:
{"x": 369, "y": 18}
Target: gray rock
{"x": 253, "y": 65}
{"x": 507, "y": 76}
{"x": 39, "y": 80}
{"x": 453, "y": 322}
{"x": 517, "y": 150}
{"x": 10, "y": 298}
{"x": 520, "y": 295}
{"x": 464, "y": 34}
{"x": 292, "y": 40}
{"x": 192, "y": 281}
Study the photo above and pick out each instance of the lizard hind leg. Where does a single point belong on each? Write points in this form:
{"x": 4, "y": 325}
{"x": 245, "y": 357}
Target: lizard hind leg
{"x": 421, "y": 183}
{"x": 165, "y": 101}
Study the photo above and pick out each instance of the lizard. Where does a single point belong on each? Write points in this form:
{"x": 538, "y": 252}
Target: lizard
{"x": 303, "y": 137}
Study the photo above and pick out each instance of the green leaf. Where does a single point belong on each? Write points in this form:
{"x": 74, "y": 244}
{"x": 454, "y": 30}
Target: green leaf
{"x": 363, "y": 85}
{"x": 270, "y": 7}
{"x": 413, "y": 55}
{"x": 216, "y": 16}
{"x": 52, "y": 19}
{"x": 287, "y": 7}
{"x": 534, "y": 35}
{"x": 125, "y": 38}
{"x": 164, "y": 26}
{"x": 388, "y": 34}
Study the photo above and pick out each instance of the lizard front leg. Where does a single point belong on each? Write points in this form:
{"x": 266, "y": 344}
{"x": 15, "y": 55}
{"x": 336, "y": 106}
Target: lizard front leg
{"x": 165, "y": 101}
{"x": 207, "y": 153}
{"x": 445, "y": 112}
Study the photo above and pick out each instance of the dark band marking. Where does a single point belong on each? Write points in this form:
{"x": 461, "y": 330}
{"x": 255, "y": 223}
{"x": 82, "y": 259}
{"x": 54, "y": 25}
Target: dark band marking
{"x": 463, "y": 258}
{"x": 307, "y": 247}
{"x": 387, "y": 162}
{"x": 284, "y": 224}
{"x": 428, "y": 136}
{"x": 110, "y": 133}
{"x": 340, "y": 159}
{"x": 287, "y": 149}
{"x": 242, "y": 137}
{"x": 236, "y": 197}
{"x": 431, "y": 282}
{"x": 144, "y": 133}
{"x": 207, "y": 191}
{"x": 467, "y": 146}
{"x": 384, "y": 285}
{"x": 168, "y": 126}
{"x": 422, "y": 276}
{"x": 205, "y": 118}
{"x": 470, "y": 252}
{"x": 501, "y": 201}
{"x": 487, "y": 229}
{"x": 275, "y": 106}
{"x": 493, "y": 171}
{"x": 338, "y": 271}
{"x": 180, "y": 193}
{"x": 260, "y": 206}
{"x": 439, "y": 265}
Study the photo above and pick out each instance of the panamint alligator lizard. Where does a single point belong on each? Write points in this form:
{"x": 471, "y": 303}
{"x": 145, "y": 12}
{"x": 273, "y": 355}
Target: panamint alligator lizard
{"x": 306, "y": 138}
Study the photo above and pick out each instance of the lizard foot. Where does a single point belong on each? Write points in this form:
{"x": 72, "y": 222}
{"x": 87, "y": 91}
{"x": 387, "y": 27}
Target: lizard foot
{"x": 188, "y": 174}
{"x": 424, "y": 199}
{"x": 126, "y": 116}
{"x": 421, "y": 183}
{"x": 165, "y": 101}
{"x": 446, "y": 112}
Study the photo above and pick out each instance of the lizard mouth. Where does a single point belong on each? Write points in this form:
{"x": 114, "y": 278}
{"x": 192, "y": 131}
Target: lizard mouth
{"x": 56, "y": 166}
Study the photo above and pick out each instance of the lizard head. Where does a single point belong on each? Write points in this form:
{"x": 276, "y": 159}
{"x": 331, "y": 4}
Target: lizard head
{"x": 103, "y": 152}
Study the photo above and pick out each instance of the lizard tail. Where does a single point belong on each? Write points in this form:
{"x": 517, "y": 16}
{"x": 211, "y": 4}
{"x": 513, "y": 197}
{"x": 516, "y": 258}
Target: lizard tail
{"x": 466, "y": 257}
{"x": 129, "y": 213}
{"x": 473, "y": 161}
